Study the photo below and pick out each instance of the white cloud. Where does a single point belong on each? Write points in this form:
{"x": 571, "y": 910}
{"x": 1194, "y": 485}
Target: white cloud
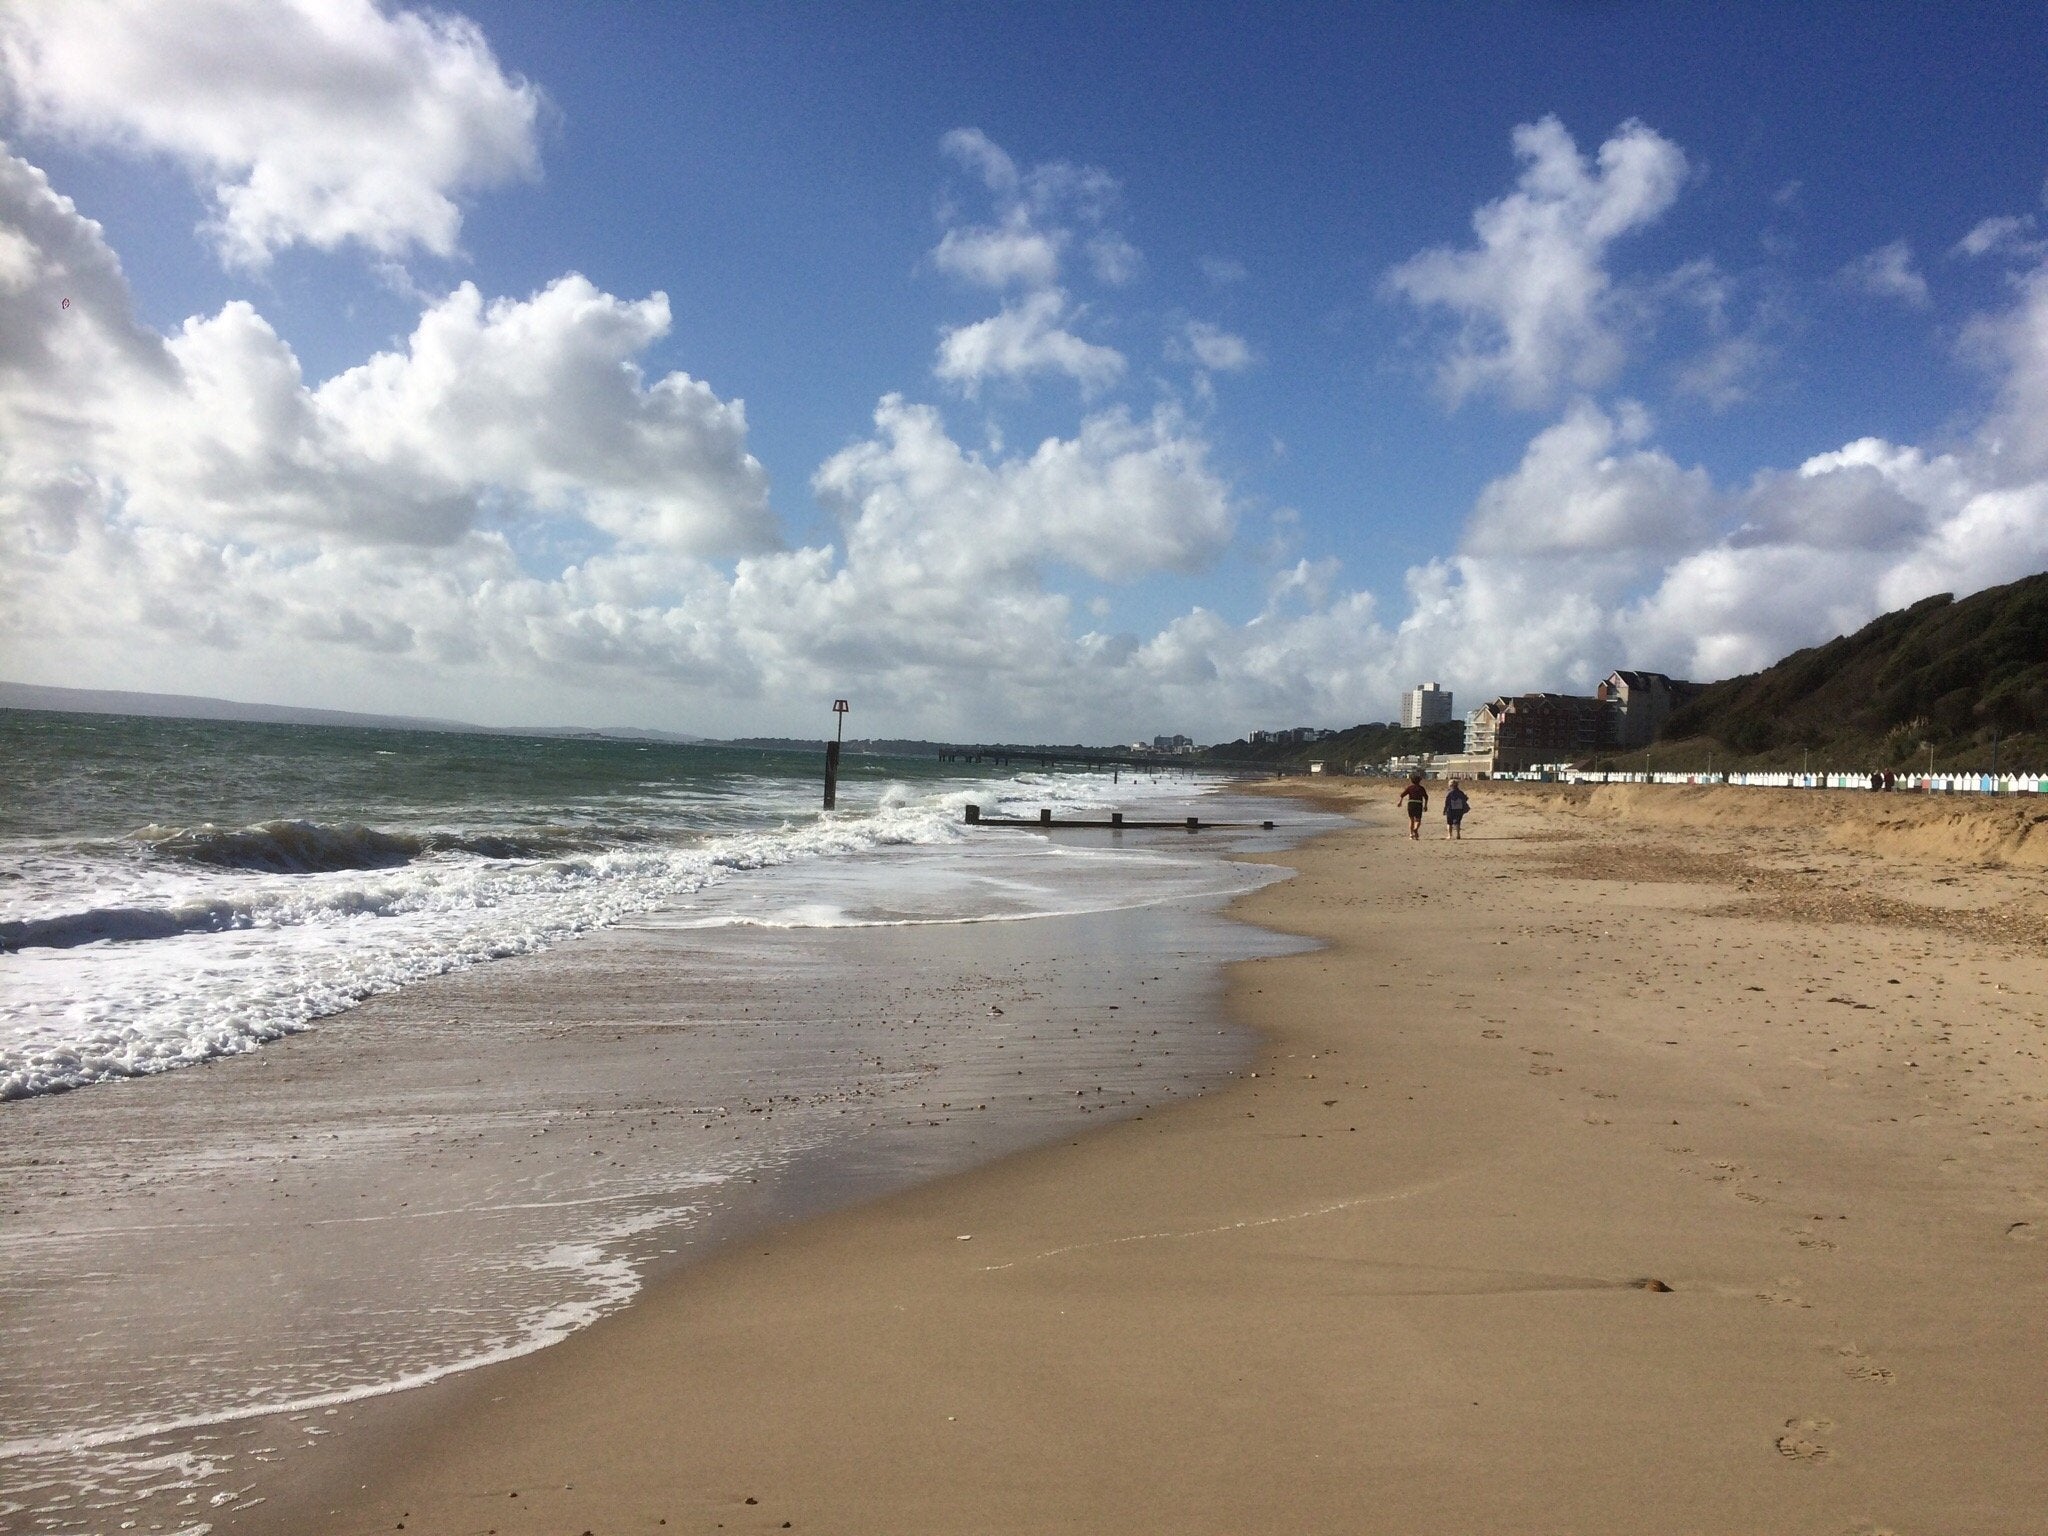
{"x": 1211, "y": 347}
{"x": 1221, "y": 270}
{"x": 503, "y": 516}
{"x": 1869, "y": 527}
{"x": 1585, "y": 487}
{"x": 995, "y": 256}
{"x": 196, "y": 485}
{"x": 189, "y": 512}
{"x": 1535, "y": 309}
{"x": 1027, "y": 337}
{"x": 544, "y": 397}
{"x": 1888, "y": 273}
{"x": 1036, "y": 215}
{"x": 2004, "y": 235}
{"x": 1725, "y": 371}
{"x": 978, "y": 152}
{"x": 1119, "y": 499}
{"x": 1039, "y": 213}
{"x": 316, "y": 122}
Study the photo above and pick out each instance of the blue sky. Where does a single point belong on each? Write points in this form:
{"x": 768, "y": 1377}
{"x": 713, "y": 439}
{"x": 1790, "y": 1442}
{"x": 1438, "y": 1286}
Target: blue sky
{"x": 1768, "y": 381}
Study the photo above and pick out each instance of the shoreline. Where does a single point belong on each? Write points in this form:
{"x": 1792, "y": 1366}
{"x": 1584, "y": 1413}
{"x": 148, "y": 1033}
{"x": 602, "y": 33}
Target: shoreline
{"x": 540, "y": 1123}
{"x": 1243, "y": 1313}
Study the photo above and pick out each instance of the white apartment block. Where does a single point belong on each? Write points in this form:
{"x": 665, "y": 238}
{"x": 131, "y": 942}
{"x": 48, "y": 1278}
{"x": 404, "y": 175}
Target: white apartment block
{"x": 1425, "y": 704}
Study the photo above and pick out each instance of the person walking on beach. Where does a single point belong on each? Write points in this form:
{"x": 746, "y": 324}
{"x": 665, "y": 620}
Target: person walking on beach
{"x": 1456, "y": 804}
{"x": 1417, "y": 798}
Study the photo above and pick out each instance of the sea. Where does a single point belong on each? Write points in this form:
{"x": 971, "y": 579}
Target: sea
{"x": 337, "y": 1062}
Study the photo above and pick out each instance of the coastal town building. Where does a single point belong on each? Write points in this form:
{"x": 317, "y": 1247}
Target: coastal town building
{"x": 1515, "y": 732}
{"x": 1425, "y": 704}
{"x": 1639, "y": 703}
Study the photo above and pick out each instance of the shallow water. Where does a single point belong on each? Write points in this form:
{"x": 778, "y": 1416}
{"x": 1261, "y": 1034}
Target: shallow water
{"x": 173, "y": 891}
{"x": 201, "y": 1269}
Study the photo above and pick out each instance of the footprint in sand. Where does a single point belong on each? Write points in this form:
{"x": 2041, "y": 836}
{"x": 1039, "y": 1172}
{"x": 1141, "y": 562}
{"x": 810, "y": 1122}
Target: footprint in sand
{"x": 1858, "y": 1366}
{"x": 1797, "y": 1444}
{"x": 2023, "y": 1232}
{"x": 1782, "y": 1299}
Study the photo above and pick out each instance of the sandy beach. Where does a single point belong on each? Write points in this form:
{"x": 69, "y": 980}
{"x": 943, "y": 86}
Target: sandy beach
{"x": 1641, "y": 1163}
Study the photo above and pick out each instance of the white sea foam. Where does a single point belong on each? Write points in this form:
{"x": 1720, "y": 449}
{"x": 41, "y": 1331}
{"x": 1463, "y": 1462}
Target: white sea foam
{"x": 179, "y": 945}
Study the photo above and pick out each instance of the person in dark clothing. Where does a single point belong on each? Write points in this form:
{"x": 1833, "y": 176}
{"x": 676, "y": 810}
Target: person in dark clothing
{"x": 1417, "y": 798}
{"x": 1456, "y": 804}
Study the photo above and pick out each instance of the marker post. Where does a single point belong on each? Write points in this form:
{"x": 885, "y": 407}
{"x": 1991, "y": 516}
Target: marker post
{"x": 839, "y": 708}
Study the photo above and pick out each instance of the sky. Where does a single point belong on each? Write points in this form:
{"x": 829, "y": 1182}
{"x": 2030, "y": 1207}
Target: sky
{"x": 1024, "y": 372}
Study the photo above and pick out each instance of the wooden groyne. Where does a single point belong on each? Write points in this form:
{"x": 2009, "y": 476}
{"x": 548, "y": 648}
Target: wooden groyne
{"x": 1045, "y": 822}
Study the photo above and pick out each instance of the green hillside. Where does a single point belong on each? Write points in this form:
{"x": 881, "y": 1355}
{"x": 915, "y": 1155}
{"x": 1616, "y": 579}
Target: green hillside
{"x": 1951, "y": 674}
{"x": 1359, "y": 744}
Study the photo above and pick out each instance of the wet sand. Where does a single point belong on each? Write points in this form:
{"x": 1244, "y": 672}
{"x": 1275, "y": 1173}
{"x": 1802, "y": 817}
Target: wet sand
{"x": 1608, "y": 1171}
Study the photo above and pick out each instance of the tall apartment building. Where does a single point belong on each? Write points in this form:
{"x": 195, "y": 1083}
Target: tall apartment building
{"x": 1425, "y": 704}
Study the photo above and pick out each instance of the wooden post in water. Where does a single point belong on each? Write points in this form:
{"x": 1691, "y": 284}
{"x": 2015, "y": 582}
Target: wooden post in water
{"x": 832, "y": 754}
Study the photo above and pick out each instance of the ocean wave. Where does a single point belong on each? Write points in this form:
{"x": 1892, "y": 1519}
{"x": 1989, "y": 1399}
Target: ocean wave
{"x": 330, "y": 940}
{"x": 311, "y": 847}
{"x": 121, "y": 924}
{"x": 220, "y": 940}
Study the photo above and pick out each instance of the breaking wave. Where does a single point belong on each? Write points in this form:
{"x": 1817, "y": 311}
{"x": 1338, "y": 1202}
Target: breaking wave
{"x": 310, "y": 847}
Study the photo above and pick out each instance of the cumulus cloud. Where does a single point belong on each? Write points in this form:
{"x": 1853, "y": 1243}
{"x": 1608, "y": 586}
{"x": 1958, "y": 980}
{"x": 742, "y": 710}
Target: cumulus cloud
{"x": 545, "y": 397}
{"x": 1120, "y": 499}
{"x": 1585, "y": 487}
{"x": 506, "y": 514}
{"x": 1868, "y": 527}
{"x": 1026, "y": 337}
{"x": 193, "y": 500}
{"x": 1533, "y": 308}
{"x": 1599, "y": 549}
{"x": 1038, "y": 215}
{"x": 1888, "y": 273}
{"x": 197, "y": 485}
{"x": 315, "y": 122}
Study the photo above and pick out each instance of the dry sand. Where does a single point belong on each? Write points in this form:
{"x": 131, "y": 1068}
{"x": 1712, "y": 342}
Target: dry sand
{"x": 1652, "y": 1163}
